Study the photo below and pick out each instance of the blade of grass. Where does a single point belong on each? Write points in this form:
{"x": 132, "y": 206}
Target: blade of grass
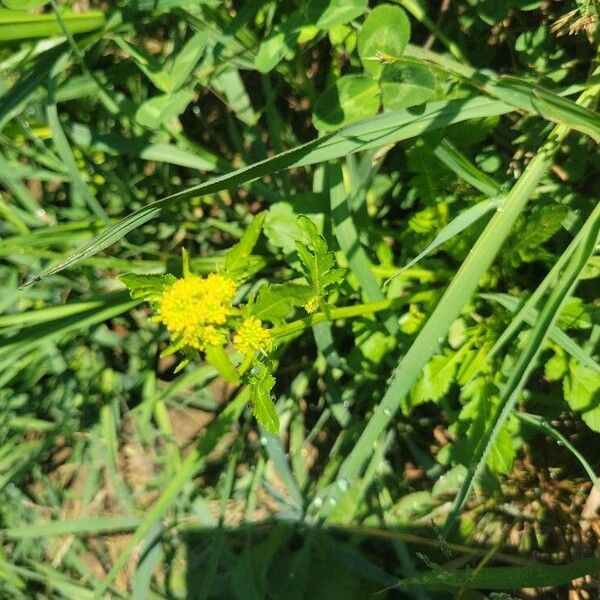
{"x": 81, "y": 526}
{"x": 457, "y": 294}
{"x": 64, "y": 151}
{"x": 17, "y": 25}
{"x": 517, "y": 379}
{"x": 518, "y": 93}
{"x": 531, "y": 302}
{"x": 455, "y": 160}
{"x": 30, "y": 337}
{"x": 349, "y": 241}
{"x": 193, "y": 463}
{"x": 379, "y": 131}
{"x": 458, "y": 224}
{"x": 555, "y": 333}
{"x": 543, "y": 425}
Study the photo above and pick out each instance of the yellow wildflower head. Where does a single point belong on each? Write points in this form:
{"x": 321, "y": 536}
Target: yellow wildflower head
{"x": 251, "y": 336}
{"x": 193, "y": 308}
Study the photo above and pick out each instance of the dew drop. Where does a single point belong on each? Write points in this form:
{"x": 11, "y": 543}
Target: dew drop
{"x": 387, "y": 412}
{"x": 343, "y": 484}
{"x": 253, "y": 371}
{"x": 332, "y": 501}
{"x": 346, "y": 403}
{"x": 318, "y": 502}
{"x": 263, "y": 441}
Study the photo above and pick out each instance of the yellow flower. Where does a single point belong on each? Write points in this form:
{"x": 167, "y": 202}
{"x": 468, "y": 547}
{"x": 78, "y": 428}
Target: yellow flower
{"x": 312, "y": 304}
{"x": 251, "y": 336}
{"x": 192, "y": 308}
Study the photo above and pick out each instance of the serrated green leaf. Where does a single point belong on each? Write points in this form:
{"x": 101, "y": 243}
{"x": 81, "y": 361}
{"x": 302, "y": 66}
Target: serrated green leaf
{"x": 261, "y": 383}
{"x": 316, "y": 262}
{"x": 541, "y": 225}
{"x": 437, "y": 377}
{"x": 582, "y": 387}
{"x": 147, "y": 287}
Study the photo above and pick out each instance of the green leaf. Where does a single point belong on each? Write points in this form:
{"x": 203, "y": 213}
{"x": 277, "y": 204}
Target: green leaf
{"x": 582, "y": 388}
{"x": 372, "y": 133}
{"x": 406, "y": 85}
{"x": 16, "y": 25}
{"x": 316, "y": 262}
{"x": 238, "y": 258}
{"x": 432, "y": 179}
{"x": 278, "y": 43}
{"x": 281, "y": 226}
{"x": 436, "y": 379}
{"x": 218, "y": 358}
{"x": 349, "y": 99}
{"x": 161, "y": 109}
{"x": 386, "y": 30}
{"x": 186, "y": 60}
{"x": 153, "y": 70}
{"x": 147, "y": 287}
{"x": 261, "y": 382}
{"x": 474, "y": 419}
{"x": 541, "y": 225}
{"x": 325, "y": 14}
{"x": 275, "y": 301}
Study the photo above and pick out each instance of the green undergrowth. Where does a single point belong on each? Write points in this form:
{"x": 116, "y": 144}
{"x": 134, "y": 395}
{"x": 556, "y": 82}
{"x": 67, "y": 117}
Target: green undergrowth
{"x": 299, "y": 299}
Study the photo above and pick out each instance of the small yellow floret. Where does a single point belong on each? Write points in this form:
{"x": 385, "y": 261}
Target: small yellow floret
{"x": 251, "y": 336}
{"x": 312, "y": 304}
{"x": 193, "y": 306}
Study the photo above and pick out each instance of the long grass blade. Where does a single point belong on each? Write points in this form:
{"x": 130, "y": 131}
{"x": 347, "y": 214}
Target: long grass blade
{"x": 511, "y": 390}
{"x": 379, "y": 131}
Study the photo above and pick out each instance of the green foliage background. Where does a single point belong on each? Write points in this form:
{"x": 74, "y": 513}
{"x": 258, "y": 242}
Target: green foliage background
{"x": 423, "y": 178}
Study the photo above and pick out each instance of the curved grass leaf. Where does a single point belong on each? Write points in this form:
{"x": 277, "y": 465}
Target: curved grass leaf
{"x": 448, "y": 309}
{"x": 555, "y": 333}
{"x": 526, "y": 361}
{"x": 516, "y": 92}
{"x": 379, "y": 131}
{"x": 458, "y": 224}
{"x": 543, "y": 425}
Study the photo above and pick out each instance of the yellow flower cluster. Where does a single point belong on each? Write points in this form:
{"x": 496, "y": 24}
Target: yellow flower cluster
{"x": 194, "y": 310}
{"x": 251, "y": 336}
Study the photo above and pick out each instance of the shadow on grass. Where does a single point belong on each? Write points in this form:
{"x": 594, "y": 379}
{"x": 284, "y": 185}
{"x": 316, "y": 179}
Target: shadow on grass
{"x": 289, "y": 561}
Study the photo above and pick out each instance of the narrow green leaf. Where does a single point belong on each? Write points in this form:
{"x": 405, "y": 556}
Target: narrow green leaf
{"x": 218, "y": 358}
{"x": 16, "y": 25}
{"x": 526, "y": 362}
{"x": 379, "y": 131}
{"x": 506, "y": 578}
